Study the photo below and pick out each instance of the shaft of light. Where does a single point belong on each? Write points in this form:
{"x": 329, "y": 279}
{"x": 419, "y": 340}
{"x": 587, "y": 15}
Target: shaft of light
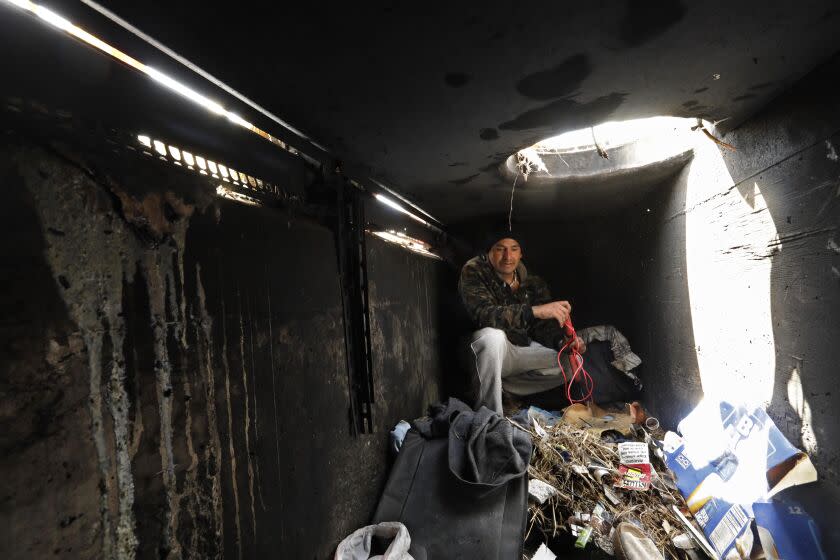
{"x": 168, "y": 82}
{"x": 388, "y": 202}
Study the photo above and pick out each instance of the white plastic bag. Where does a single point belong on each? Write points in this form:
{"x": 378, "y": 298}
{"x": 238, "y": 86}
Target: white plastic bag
{"x": 357, "y": 545}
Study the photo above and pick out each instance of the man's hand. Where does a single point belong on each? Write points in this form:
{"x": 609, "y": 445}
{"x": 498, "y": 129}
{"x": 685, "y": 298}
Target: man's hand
{"x": 579, "y": 345}
{"x": 558, "y": 310}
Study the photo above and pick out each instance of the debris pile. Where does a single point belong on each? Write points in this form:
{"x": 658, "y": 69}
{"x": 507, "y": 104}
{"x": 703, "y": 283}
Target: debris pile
{"x": 580, "y": 485}
{"x": 613, "y": 480}
{"x": 598, "y": 484}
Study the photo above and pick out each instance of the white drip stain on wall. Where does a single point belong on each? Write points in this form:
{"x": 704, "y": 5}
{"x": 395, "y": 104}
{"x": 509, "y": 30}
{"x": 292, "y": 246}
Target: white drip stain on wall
{"x": 156, "y": 287}
{"x": 251, "y": 322}
{"x": 231, "y": 450}
{"x": 274, "y": 390}
{"x": 212, "y": 453}
{"x": 89, "y": 268}
{"x": 98, "y": 253}
{"x": 247, "y": 413}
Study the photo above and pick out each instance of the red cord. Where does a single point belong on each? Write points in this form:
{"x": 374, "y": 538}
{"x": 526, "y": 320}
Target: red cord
{"x": 577, "y": 364}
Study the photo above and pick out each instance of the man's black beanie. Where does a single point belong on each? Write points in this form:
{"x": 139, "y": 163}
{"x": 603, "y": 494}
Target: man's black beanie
{"x": 494, "y": 236}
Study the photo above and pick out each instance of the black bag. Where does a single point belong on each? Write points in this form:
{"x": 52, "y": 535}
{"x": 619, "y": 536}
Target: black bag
{"x": 447, "y": 518}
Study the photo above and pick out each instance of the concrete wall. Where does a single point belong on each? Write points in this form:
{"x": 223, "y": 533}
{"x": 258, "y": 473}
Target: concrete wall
{"x": 176, "y": 387}
{"x": 726, "y": 279}
{"x": 762, "y": 239}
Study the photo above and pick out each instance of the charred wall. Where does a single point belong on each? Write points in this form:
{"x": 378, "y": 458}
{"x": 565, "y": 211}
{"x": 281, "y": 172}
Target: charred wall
{"x": 182, "y": 392}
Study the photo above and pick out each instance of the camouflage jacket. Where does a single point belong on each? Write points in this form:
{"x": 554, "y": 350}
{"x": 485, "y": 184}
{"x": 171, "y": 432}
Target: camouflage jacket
{"x": 491, "y": 303}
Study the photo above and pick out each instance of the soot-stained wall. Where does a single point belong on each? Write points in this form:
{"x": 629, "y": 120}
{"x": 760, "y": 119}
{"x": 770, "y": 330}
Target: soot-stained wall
{"x": 184, "y": 393}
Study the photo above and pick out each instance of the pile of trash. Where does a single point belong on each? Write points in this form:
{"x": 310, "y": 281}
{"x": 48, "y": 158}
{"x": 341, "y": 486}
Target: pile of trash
{"x": 599, "y": 479}
{"x": 592, "y": 470}
{"x": 590, "y": 482}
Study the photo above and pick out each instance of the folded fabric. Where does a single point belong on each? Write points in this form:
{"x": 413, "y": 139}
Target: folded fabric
{"x": 485, "y": 450}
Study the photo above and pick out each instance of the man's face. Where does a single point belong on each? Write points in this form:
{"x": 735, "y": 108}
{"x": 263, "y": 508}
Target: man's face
{"x": 505, "y": 255}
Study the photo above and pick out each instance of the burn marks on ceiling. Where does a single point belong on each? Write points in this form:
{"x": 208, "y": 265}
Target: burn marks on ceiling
{"x": 567, "y": 114}
{"x": 647, "y": 19}
{"x": 694, "y": 108}
{"x": 559, "y": 81}
{"x": 464, "y": 180}
{"x": 491, "y": 167}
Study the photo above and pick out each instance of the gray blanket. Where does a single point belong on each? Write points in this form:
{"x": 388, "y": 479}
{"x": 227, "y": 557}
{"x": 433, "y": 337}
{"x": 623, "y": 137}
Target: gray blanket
{"x": 485, "y": 450}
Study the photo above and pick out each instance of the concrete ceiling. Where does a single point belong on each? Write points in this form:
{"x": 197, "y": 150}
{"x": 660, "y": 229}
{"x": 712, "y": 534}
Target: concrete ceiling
{"x": 430, "y": 98}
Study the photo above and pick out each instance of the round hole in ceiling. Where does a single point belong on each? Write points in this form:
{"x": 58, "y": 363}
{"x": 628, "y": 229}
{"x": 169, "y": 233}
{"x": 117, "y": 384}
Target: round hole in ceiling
{"x": 606, "y": 150}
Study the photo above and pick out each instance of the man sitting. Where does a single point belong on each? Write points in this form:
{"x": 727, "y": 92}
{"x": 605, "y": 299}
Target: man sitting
{"x": 520, "y": 329}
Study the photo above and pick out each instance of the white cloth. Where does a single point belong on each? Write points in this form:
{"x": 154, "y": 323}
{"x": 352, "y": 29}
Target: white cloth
{"x": 357, "y": 545}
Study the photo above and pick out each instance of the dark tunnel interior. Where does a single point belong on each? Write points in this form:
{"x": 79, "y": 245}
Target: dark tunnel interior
{"x": 204, "y": 360}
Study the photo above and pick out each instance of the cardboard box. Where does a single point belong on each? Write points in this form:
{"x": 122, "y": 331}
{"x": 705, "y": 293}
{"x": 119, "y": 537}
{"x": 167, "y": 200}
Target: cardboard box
{"x": 728, "y": 459}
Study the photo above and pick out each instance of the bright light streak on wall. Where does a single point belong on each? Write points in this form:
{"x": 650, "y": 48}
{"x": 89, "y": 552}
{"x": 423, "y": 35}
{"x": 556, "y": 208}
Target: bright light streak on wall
{"x": 388, "y": 202}
{"x": 209, "y": 77}
{"x": 730, "y": 242}
{"x": 184, "y": 91}
{"x": 406, "y": 242}
{"x": 398, "y": 196}
{"x": 225, "y": 192}
{"x": 236, "y": 119}
{"x": 170, "y": 83}
{"x": 174, "y": 85}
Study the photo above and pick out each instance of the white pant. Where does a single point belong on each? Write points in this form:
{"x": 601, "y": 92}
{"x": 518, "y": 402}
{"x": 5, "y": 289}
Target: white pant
{"x": 521, "y": 370}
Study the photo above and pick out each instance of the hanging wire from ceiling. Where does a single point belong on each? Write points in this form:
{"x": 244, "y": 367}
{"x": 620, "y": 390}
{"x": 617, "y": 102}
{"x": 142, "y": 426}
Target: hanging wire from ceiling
{"x": 527, "y": 161}
{"x": 510, "y": 214}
